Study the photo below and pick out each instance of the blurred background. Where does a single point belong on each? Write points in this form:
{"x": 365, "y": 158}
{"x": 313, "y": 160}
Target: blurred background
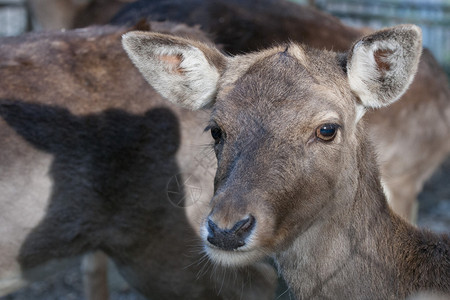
{"x": 433, "y": 16}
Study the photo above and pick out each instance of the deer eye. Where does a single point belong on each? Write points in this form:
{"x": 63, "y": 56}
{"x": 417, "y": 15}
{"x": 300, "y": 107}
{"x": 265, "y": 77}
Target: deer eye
{"x": 216, "y": 133}
{"x": 327, "y": 132}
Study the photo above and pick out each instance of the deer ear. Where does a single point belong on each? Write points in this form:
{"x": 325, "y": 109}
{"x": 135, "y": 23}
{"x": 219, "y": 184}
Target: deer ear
{"x": 381, "y": 66}
{"x": 183, "y": 71}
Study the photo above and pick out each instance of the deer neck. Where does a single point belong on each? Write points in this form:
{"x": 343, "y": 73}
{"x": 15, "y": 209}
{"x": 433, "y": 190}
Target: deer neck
{"x": 362, "y": 248}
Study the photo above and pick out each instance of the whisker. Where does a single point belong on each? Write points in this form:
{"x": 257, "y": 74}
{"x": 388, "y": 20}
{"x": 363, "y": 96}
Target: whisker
{"x": 279, "y": 296}
{"x": 197, "y": 262}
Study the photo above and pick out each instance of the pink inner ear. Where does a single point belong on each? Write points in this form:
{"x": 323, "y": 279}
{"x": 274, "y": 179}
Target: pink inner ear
{"x": 381, "y": 56}
{"x": 174, "y": 61}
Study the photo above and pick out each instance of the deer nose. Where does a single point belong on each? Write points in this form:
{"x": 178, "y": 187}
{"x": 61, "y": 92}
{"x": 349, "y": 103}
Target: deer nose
{"x": 230, "y": 239}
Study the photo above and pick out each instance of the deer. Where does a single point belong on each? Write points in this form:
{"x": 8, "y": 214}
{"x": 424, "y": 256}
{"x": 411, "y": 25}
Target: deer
{"x": 90, "y": 160}
{"x": 407, "y": 158}
{"x": 70, "y": 14}
{"x": 297, "y": 177}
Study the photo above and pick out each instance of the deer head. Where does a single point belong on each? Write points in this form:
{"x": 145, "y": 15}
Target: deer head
{"x": 286, "y": 128}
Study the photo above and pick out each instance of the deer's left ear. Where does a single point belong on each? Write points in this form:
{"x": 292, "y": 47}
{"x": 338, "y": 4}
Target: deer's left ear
{"x": 381, "y": 66}
{"x": 185, "y": 72}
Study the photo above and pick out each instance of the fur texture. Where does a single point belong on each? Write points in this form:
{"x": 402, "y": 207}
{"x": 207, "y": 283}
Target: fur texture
{"x": 407, "y": 155}
{"x": 88, "y": 156}
{"x": 382, "y": 66}
{"x": 180, "y": 73}
{"x": 317, "y": 202}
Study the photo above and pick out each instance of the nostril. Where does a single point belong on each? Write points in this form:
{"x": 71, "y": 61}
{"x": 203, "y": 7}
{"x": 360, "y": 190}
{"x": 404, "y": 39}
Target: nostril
{"x": 212, "y": 227}
{"x": 243, "y": 227}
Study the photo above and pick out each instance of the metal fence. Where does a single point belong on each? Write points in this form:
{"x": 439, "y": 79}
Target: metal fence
{"x": 432, "y": 16}
{"x": 14, "y": 17}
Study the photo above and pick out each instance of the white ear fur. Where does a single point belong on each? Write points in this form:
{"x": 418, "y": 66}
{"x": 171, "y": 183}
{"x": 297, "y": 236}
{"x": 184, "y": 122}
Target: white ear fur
{"x": 178, "y": 69}
{"x": 360, "y": 112}
{"x": 381, "y": 66}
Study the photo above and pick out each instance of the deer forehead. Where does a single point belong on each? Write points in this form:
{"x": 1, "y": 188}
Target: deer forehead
{"x": 284, "y": 86}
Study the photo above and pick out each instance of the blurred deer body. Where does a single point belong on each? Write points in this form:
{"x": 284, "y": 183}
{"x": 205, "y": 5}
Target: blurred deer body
{"x": 91, "y": 159}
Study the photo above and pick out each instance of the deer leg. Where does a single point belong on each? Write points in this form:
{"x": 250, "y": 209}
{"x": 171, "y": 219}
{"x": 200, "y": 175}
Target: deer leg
{"x": 94, "y": 268}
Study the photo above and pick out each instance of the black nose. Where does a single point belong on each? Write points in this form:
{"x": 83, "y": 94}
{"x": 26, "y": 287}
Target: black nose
{"x": 230, "y": 239}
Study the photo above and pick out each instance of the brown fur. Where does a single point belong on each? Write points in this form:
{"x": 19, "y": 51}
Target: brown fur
{"x": 317, "y": 205}
{"x": 88, "y": 151}
{"x": 68, "y": 14}
{"x": 407, "y": 155}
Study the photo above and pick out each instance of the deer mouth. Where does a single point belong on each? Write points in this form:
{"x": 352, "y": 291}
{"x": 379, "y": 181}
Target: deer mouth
{"x": 232, "y": 258}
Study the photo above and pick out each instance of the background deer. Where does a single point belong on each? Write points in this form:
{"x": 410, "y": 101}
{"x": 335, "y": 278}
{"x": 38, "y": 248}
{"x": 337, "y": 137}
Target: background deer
{"x": 89, "y": 153}
{"x": 407, "y": 156}
{"x": 297, "y": 176}
{"x": 69, "y": 14}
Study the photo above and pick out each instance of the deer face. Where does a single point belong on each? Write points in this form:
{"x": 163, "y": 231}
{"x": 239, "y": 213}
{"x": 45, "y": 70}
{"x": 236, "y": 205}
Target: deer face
{"x": 285, "y": 127}
{"x": 279, "y": 141}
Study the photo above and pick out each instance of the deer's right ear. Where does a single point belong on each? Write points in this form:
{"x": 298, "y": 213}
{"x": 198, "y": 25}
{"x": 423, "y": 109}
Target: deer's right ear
{"x": 382, "y": 65}
{"x": 183, "y": 71}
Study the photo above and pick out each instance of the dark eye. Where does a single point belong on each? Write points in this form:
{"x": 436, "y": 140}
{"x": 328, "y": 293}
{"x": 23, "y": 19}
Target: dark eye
{"x": 216, "y": 133}
{"x": 327, "y": 132}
